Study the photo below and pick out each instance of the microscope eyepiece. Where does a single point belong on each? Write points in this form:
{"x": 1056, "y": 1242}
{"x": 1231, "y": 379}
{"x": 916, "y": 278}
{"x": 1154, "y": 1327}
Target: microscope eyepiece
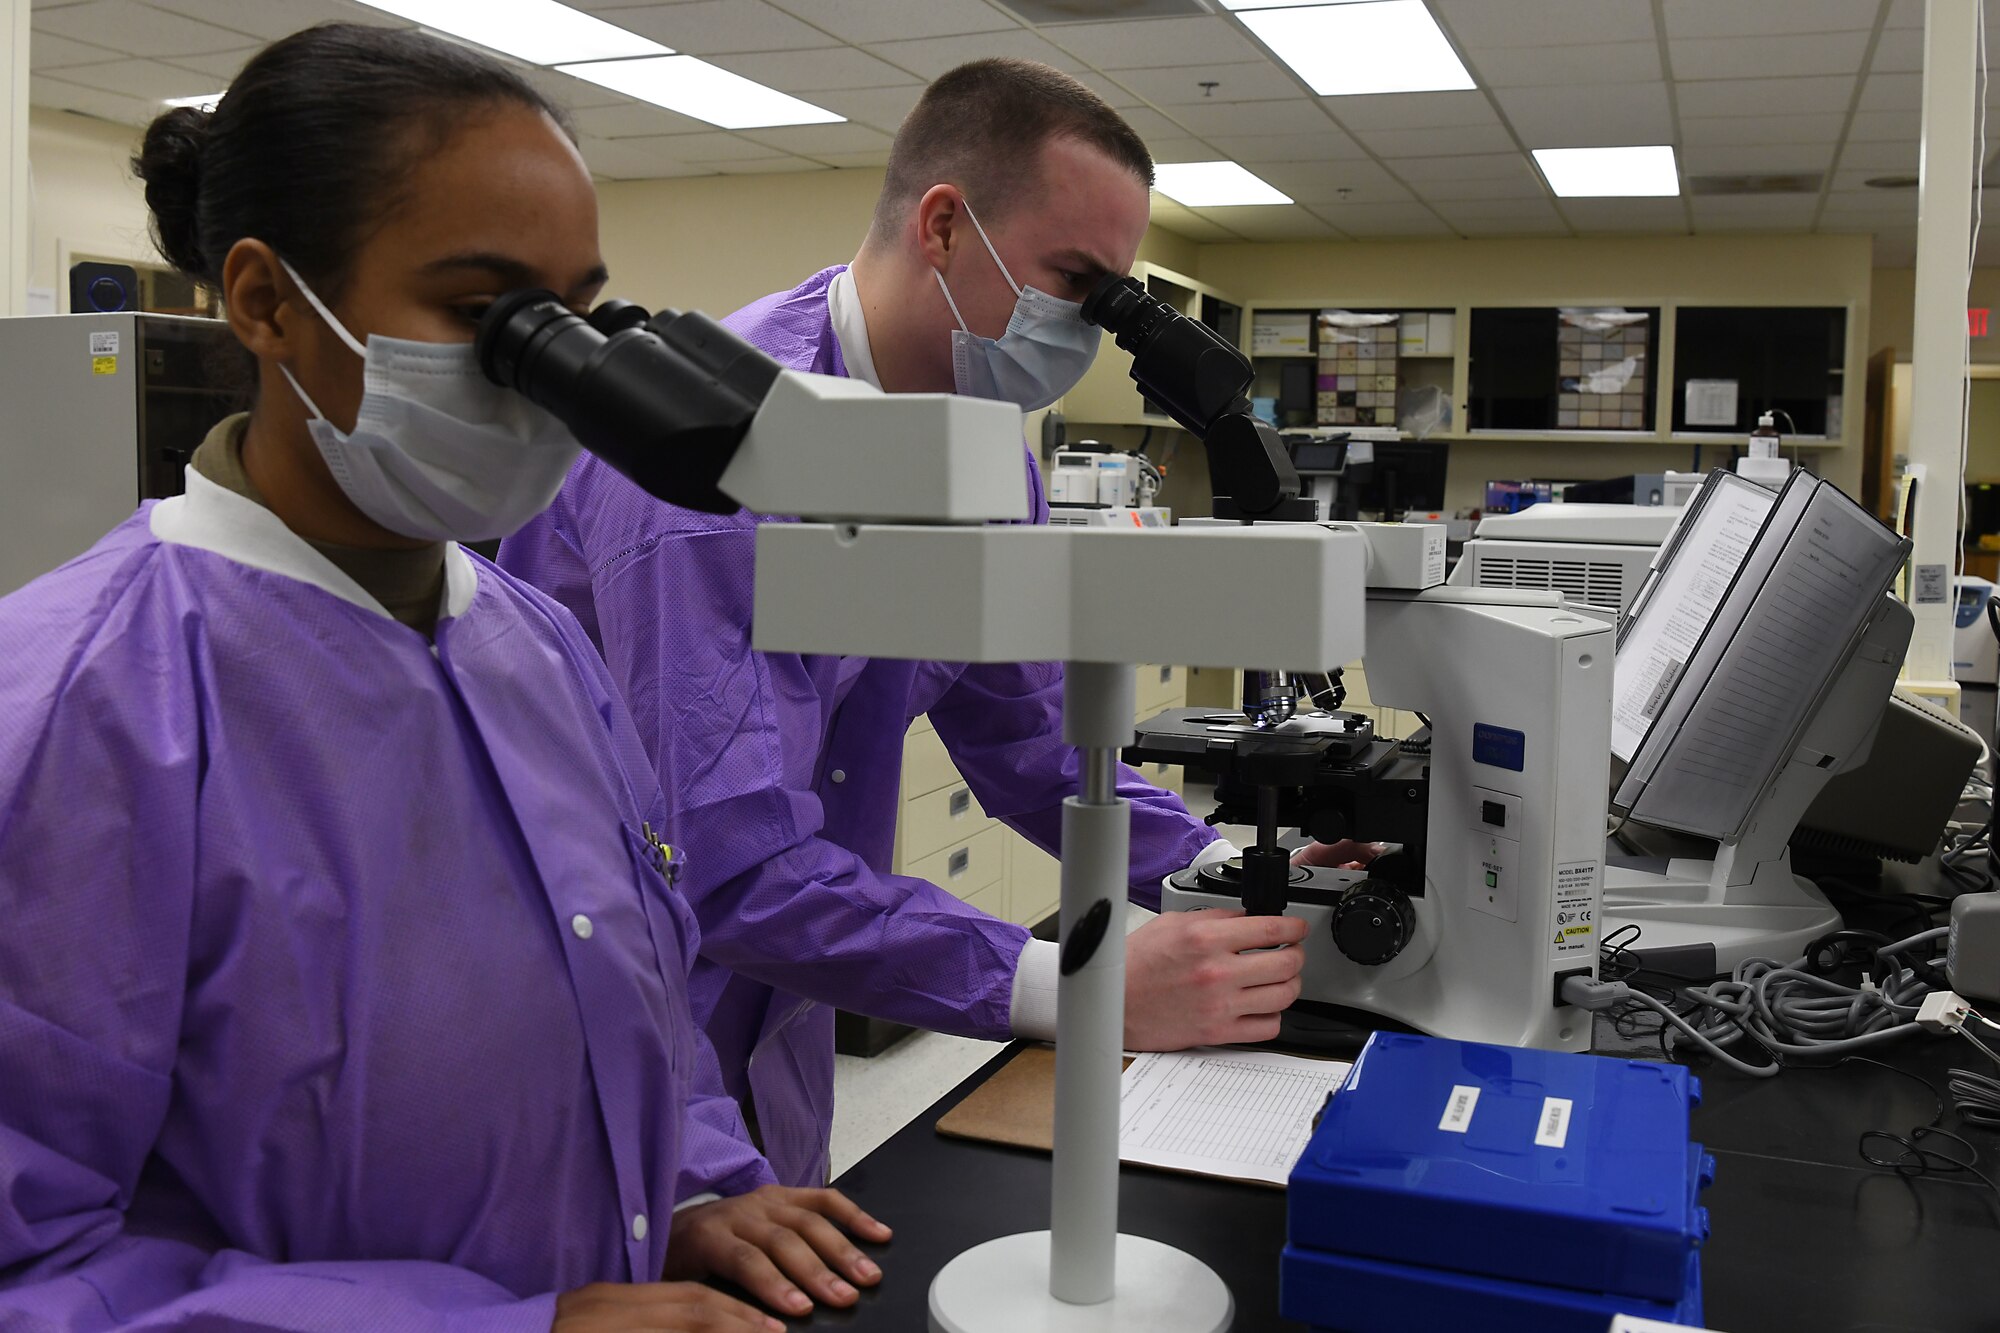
{"x": 663, "y": 398}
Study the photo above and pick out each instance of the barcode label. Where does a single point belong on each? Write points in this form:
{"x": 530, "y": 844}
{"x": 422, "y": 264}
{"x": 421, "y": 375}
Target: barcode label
{"x": 1458, "y": 1109}
{"x": 1552, "y": 1130}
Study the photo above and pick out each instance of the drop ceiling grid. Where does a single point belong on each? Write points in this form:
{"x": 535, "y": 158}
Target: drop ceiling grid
{"x": 1841, "y": 69}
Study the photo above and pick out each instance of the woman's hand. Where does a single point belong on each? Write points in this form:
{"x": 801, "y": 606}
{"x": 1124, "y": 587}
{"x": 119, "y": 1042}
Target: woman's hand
{"x": 779, "y": 1245}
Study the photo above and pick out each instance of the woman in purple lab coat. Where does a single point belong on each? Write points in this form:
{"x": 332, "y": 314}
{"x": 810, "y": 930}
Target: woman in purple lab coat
{"x": 342, "y": 970}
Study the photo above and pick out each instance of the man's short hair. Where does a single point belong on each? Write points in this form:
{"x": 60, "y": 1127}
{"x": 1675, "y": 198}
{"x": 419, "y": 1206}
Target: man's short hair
{"x": 982, "y": 126}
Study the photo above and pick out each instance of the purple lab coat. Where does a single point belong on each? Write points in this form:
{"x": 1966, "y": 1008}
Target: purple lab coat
{"x": 782, "y": 775}
{"x": 339, "y": 985}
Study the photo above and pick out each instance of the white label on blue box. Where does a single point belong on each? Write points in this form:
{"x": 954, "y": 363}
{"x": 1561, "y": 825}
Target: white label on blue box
{"x": 1552, "y": 1130}
{"x": 1458, "y": 1109}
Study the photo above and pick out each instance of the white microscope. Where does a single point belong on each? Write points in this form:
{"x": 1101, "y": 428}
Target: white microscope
{"x": 906, "y": 505}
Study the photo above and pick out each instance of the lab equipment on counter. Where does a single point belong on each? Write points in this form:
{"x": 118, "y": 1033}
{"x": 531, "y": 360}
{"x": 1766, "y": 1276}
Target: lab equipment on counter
{"x": 1102, "y": 478}
{"x": 1975, "y": 639}
{"x": 1456, "y": 1185}
{"x": 102, "y": 411}
{"x": 903, "y": 486}
{"x": 1596, "y": 555}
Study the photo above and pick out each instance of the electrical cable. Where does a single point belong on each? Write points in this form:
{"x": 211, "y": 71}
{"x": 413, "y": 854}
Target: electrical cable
{"x": 1915, "y": 1161}
{"x": 1975, "y": 1098}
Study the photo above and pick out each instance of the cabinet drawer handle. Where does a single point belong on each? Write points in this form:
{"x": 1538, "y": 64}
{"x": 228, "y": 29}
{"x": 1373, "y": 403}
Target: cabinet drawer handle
{"x": 961, "y": 802}
{"x": 960, "y": 862}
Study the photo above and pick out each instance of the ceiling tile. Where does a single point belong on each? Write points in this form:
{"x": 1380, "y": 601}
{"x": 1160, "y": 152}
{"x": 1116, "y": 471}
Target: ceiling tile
{"x": 1180, "y": 148}
{"x": 635, "y": 120}
{"x": 1360, "y": 182}
{"x": 1490, "y": 166}
{"x": 1154, "y": 43}
{"x": 1301, "y": 115}
{"x": 1869, "y": 126}
{"x": 46, "y": 50}
{"x": 1193, "y": 228}
{"x": 1892, "y": 92}
{"x": 1734, "y": 18}
{"x": 1412, "y": 111}
{"x": 1905, "y": 14}
{"x": 1383, "y": 219}
{"x": 1823, "y": 128}
{"x": 638, "y": 159}
{"x": 140, "y": 30}
{"x": 880, "y": 159}
{"x": 566, "y": 92}
{"x": 1755, "y": 213}
{"x": 1547, "y": 67}
{"x": 815, "y": 140}
{"x": 46, "y": 91}
{"x": 932, "y": 56}
{"x": 884, "y": 108}
{"x": 1854, "y": 180}
{"x": 221, "y": 67}
{"x": 1896, "y": 206}
{"x": 1149, "y": 124}
{"x": 146, "y": 79}
{"x": 1754, "y": 57}
{"x": 1113, "y": 92}
{"x": 765, "y": 166}
{"x": 1764, "y": 96}
{"x": 1437, "y": 143}
{"x": 1254, "y": 81}
{"x": 269, "y": 20}
{"x": 716, "y": 146}
{"x": 1482, "y": 23}
{"x": 1269, "y": 223}
{"x": 1658, "y": 216}
{"x": 1884, "y": 156}
{"x": 887, "y": 20}
{"x": 1584, "y": 116}
{"x": 715, "y": 27}
{"x": 1755, "y": 159}
{"x": 1499, "y": 210}
{"x": 814, "y": 71}
{"x": 1899, "y": 52}
{"x": 1328, "y": 145}
{"x": 1521, "y": 184}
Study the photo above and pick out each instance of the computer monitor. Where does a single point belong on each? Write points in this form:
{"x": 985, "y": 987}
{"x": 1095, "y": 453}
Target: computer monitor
{"x": 1406, "y": 475}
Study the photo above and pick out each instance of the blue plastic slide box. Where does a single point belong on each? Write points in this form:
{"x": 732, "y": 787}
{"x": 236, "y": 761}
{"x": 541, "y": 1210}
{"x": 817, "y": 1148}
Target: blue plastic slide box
{"x": 1530, "y": 1166}
{"x": 1339, "y": 1292}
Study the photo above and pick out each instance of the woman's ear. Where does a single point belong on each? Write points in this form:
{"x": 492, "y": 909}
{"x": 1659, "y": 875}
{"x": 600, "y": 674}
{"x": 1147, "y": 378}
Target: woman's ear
{"x": 256, "y": 298}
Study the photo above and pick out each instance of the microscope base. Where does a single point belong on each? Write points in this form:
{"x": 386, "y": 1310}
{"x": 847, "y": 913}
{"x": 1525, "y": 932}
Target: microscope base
{"x": 1685, "y": 931}
{"x": 1002, "y": 1286}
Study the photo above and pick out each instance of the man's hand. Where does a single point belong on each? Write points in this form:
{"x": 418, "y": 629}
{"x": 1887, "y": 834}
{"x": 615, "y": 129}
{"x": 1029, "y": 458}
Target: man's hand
{"x": 670, "y": 1307}
{"x": 772, "y": 1238}
{"x": 1347, "y": 854}
{"x": 1190, "y": 979}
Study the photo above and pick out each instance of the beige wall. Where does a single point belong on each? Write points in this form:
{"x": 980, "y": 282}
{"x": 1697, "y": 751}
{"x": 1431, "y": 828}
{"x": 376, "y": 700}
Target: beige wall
{"x": 86, "y": 202}
{"x": 1894, "y": 311}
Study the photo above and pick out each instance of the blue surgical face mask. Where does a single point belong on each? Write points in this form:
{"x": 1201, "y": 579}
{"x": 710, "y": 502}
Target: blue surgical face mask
{"x": 1041, "y": 356}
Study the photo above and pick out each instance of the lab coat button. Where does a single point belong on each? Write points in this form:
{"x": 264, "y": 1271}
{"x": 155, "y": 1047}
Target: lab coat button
{"x": 839, "y": 775}
{"x": 639, "y": 1226}
{"x": 581, "y": 925}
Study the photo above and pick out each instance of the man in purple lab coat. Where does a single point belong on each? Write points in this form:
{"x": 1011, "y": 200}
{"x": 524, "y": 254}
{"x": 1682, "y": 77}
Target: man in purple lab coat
{"x": 782, "y": 771}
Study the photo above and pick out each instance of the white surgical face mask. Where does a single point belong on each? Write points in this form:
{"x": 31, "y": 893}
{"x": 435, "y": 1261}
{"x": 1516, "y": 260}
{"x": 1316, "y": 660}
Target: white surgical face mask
{"x": 1041, "y": 356}
{"x": 438, "y": 451}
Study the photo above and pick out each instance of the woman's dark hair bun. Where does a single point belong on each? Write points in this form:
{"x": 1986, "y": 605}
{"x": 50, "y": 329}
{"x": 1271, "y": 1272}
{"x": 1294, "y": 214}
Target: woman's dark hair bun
{"x": 169, "y": 162}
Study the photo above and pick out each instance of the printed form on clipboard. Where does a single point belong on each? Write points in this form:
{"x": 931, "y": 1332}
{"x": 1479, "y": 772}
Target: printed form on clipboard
{"x": 1747, "y": 620}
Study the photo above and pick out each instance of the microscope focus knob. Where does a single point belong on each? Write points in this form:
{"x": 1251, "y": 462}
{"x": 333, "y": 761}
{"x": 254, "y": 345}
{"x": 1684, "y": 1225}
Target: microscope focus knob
{"x": 1373, "y": 922}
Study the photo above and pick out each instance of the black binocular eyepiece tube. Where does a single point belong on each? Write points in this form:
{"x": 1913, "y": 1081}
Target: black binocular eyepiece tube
{"x": 1201, "y": 382}
{"x": 664, "y": 398}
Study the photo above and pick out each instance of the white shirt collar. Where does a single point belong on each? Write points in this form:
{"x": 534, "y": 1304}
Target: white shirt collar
{"x": 850, "y": 329}
{"x": 213, "y": 518}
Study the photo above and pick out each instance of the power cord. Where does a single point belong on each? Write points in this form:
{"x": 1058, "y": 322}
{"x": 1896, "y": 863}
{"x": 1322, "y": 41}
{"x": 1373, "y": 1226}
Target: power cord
{"x": 1915, "y": 1161}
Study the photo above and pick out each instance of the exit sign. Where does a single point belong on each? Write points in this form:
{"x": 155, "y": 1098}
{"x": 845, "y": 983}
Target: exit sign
{"x": 1975, "y": 321}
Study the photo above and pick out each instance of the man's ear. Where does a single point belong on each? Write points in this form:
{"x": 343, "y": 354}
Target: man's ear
{"x": 256, "y": 298}
{"x": 937, "y": 214}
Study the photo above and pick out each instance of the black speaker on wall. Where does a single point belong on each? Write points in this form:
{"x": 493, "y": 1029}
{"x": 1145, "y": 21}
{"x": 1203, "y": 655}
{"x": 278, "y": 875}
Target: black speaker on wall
{"x": 102, "y": 288}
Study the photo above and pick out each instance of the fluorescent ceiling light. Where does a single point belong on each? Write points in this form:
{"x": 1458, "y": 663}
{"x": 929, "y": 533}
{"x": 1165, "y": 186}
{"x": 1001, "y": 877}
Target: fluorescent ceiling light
{"x": 1379, "y": 46}
{"x": 206, "y": 101}
{"x": 1213, "y": 185}
{"x": 1605, "y": 173}
{"x": 541, "y": 32}
{"x": 706, "y": 92}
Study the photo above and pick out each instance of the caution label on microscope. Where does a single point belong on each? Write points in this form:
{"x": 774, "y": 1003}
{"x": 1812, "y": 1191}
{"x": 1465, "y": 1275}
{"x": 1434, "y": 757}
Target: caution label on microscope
{"x": 1573, "y": 918}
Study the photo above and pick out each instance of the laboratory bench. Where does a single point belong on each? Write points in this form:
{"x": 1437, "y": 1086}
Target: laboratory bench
{"x": 1807, "y": 1238}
